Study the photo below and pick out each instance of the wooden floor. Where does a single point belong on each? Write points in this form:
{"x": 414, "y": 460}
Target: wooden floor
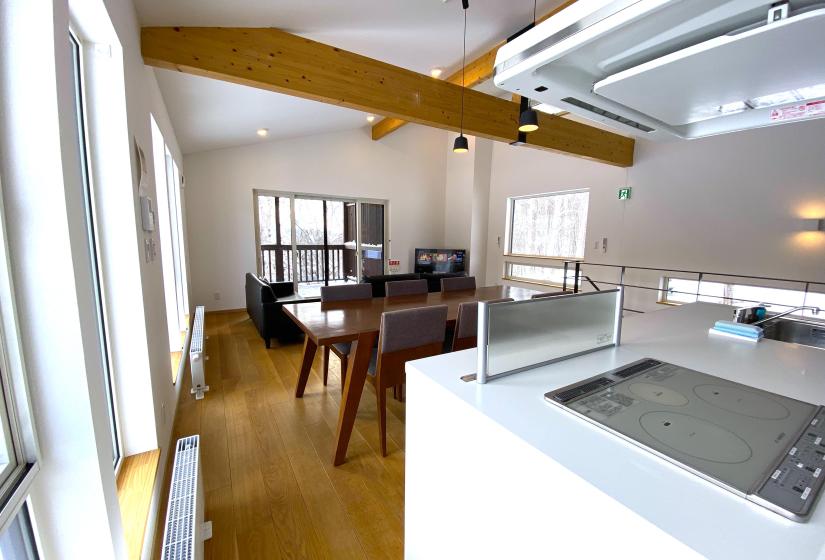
{"x": 271, "y": 489}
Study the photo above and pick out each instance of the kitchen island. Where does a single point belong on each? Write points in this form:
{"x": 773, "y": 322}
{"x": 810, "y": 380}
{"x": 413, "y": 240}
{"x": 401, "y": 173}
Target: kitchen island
{"x": 494, "y": 471}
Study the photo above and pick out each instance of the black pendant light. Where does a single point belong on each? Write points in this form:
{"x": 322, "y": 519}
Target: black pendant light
{"x": 460, "y": 145}
{"x": 528, "y": 120}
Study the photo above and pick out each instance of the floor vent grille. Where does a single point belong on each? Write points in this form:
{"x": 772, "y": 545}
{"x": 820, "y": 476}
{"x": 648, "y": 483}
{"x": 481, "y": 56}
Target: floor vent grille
{"x": 183, "y": 534}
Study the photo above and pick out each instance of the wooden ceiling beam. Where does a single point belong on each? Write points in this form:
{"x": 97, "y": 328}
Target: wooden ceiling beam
{"x": 281, "y": 62}
{"x": 477, "y": 72}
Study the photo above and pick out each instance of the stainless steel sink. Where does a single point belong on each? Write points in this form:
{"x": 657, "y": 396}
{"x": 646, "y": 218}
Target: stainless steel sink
{"x": 799, "y": 331}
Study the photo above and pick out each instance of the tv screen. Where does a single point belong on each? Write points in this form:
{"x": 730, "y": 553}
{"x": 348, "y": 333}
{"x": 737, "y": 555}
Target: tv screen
{"x": 440, "y": 260}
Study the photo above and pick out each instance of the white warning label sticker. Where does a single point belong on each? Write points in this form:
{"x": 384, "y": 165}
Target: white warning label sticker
{"x": 801, "y": 111}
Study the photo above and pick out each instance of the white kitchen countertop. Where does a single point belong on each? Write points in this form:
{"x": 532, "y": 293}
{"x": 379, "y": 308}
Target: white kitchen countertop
{"x": 708, "y": 519}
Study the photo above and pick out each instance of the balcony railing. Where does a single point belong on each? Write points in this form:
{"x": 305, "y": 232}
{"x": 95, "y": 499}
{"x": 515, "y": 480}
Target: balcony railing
{"x": 277, "y": 263}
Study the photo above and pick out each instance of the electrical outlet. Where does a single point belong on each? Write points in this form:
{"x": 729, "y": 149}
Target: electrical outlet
{"x": 217, "y": 296}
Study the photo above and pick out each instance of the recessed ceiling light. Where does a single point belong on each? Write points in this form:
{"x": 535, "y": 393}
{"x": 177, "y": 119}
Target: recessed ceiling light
{"x": 436, "y": 72}
{"x": 263, "y": 132}
{"x": 370, "y": 118}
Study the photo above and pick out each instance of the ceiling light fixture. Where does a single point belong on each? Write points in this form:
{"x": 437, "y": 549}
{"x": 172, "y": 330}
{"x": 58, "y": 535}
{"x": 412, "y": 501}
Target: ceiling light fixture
{"x": 460, "y": 145}
{"x": 370, "y": 118}
{"x": 436, "y": 72}
{"x": 528, "y": 119}
{"x": 263, "y": 132}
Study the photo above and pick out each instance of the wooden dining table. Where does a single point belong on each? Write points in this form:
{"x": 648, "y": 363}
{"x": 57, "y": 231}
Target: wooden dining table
{"x": 358, "y": 322}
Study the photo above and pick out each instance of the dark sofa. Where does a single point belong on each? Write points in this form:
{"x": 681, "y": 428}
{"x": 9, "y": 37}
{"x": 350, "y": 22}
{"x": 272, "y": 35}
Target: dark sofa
{"x": 264, "y": 303}
{"x": 433, "y": 280}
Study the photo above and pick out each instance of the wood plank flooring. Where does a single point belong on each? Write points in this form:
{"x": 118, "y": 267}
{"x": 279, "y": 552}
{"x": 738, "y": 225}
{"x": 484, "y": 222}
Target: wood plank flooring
{"x": 271, "y": 489}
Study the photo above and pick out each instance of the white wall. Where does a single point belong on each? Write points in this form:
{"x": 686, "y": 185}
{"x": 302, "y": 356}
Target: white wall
{"x": 728, "y": 204}
{"x": 406, "y": 168}
{"x": 458, "y": 194}
{"x": 518, "y": 171}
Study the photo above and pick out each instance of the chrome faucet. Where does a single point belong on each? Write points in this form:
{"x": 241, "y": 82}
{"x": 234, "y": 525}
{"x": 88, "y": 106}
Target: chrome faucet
{"x": 815, "y": 310}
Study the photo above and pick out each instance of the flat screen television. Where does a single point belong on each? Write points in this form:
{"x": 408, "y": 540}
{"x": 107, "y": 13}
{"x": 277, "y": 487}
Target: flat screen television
{"x": 440, "y": 260}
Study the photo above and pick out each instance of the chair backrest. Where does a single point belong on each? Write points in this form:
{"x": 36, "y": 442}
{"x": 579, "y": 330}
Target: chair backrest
{"x": 547, "y": 294}
{"x": 406, "y": 288}
{"x": 412, "y": 328}
{"x": 346, "y": 292}
{"x": 379, "y": 281}
{"x": 466, "y": 324}
{"x": 458, "y": 283}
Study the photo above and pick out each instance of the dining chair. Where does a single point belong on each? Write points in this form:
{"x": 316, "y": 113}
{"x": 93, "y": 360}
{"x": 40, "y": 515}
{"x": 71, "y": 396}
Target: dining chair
{"x": 408, "y": 334}
{"x": 547, "y": 294}
{"x": 344, "y": 292}
{"x": 466, "y": 325}
{"x": 406, "y": 288}
{"x": 458, "y": 283}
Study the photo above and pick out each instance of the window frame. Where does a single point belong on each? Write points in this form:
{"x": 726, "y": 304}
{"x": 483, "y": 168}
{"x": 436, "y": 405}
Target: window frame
{"x": 319, "y": 196}
{"x": 728, "y": 298}
{"x": 17, "y": 409}
{"x": 510, "y": 277}
{"x": 510, "y": 219}
{"x": 93, "y": 234}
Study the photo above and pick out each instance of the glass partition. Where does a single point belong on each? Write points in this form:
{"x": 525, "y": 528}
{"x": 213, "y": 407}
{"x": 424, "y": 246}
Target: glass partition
{"x": 513, "y": 336}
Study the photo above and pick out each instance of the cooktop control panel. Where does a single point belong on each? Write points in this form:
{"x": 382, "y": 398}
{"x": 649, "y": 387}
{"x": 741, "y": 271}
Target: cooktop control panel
{"x": 798, "y": 477}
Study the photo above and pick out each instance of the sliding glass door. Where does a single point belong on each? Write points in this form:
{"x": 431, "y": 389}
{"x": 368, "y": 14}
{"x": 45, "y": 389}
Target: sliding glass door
{"x": 316, "y": 241}
{"x": 372, "y": 239}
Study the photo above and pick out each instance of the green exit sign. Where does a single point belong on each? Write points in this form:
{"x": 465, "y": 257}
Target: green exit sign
{"x": 624, "y": 193}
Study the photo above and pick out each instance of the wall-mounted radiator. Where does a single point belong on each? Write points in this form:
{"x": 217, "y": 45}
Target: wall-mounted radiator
{"x": 185, "y": 529}
{"x": 196, "y": 355}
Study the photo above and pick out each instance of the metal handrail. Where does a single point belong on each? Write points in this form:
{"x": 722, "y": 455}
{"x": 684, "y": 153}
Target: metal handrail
{"x": 704, "y": 273}
{"x": 577, "y": 276}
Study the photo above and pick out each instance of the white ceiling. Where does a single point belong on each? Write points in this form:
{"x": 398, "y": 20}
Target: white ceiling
{"x": 414, "y": 34}
{"x": 210, "y": 114}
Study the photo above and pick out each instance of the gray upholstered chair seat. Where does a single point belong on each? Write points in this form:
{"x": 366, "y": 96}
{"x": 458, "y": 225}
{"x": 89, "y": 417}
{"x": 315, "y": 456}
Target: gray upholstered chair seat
{"x": 371, "y": 369}
{"x": 340, "y": 293}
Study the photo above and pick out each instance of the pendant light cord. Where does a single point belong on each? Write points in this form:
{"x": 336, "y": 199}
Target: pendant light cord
{"x": 463, "y": 64}
{"x": 534, "y": 12}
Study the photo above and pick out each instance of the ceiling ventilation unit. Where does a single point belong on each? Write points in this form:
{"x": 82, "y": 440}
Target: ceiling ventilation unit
{"x": 661, "y": 69}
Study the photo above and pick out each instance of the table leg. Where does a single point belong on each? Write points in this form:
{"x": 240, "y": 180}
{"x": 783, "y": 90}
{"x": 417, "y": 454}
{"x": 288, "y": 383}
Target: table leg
{"x": 306, "y": 366}
{"x": 353, "y": 387}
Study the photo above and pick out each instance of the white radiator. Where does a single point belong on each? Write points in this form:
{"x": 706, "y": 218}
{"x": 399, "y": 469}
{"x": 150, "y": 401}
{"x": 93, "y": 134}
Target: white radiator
{"x": 196, "y": 355}
{"x": 185, "y": 529}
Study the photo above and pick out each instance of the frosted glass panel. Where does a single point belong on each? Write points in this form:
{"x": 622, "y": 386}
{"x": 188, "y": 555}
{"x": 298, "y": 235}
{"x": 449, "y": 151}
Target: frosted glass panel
{"x": 525, "y": 333}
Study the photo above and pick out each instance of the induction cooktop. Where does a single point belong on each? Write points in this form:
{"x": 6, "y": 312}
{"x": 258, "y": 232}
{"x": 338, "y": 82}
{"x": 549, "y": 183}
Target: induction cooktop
{"x": 764, "y": 447}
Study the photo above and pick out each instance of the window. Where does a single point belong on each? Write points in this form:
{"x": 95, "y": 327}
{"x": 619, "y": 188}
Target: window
{"x": 172, "y": 251}
{"x": 538, "y": 274}
{"x": 316, "y": 241}
{"x": 18, "y": 451}
{"x": 681, "y": 290}
{"x": 94, "y": 243}
{"x": 548, "y": 225}
{"x": 17, "y": 541}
